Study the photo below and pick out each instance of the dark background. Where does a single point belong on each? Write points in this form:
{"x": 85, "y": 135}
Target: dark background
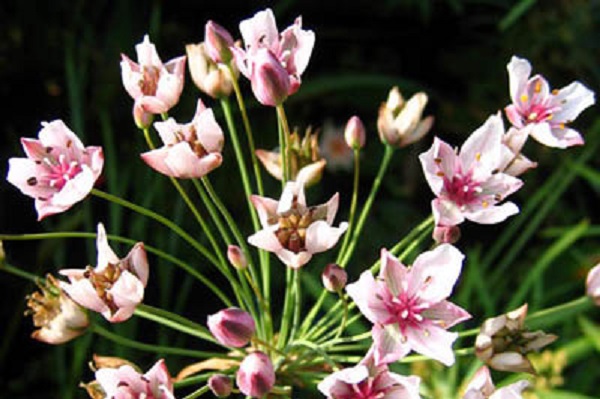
{"x": 60, "y": 59}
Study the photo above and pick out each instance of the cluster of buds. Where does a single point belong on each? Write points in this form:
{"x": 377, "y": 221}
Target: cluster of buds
{"x": 304, "y": 158}
{"x": 504, "y": 342}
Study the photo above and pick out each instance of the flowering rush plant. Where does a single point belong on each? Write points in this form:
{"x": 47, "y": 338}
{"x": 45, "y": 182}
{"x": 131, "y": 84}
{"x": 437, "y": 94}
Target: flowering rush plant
{"x": 290, "y": 310}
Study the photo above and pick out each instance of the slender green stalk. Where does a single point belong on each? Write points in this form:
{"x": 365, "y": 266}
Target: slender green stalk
{"x": 340, "y": 330}
{"x": 387, "y": 157}
{"x": 287, "y": 308}
{"x": 212, "y": 211}
{"x": 298, "y": 303}
{"x": 352, "y": 205}
{"x": 198, "y": 392}
{"x": 197, "y": 331}
{"x": 5, "y": 267}
{"x": 167, "y": 350}
{"x": 159, "y": 218}
{"x": 248, "y": 129}
{"x": 284, "y": 148}
{"x": 316, "y": 348}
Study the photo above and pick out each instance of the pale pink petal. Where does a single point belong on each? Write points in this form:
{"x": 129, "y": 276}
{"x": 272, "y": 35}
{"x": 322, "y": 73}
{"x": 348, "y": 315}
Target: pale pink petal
{"x": 265, "y": 239}
{"x": 544, "y": 134}
{"x": 320, "y": 236}
{"x": 514, "y": 115}
{"x": 75, "y": 189}
{"x": 147, "y": 54}
{"x": 390, "y": 344}
{"x": 127, "y": 292}
{"x": 482, "y": 150}
{"x": 519, "y": 70}
{"x": 166, "y": 130}
{"x": 138, "y": 260}
{"x": 159, "y": 375}
{"x": 433, "y": 341}
{"x": 512, "y": 391}
{"x": 434, "y": 273}
{"x": 83, "y": 293}
{"x": 393, "y": 272}
{"x": 339, "y": 383}
{"x": 493, "y": 214}
{"x": 404, "y": 387}
{"x": 260, "y": 30}
{"x": 305, "y": 41}
{"x": 573, "y": 99}
{"x": 183, "y": 163}
{"x": 105, "y": 252}
{"x": 265, "y": 207}
{"x": 20, "y": 170}
{"x": 362, "y": 293}
{"x": 170, "y": 85}
{"x": 567, "y": 137}
{"x": 210, "y": 134}
{"x": 446, "y": 213}
{"x": 439, "y": 161}
{"x": 446, "y": 314}
{"x": 593, "y": 284}
{"x": 131, "y": 76}
{"x": 57, "y": 134}
{"x": 293, "y": 260}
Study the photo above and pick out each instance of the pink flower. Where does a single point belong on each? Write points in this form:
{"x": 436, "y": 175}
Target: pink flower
{"x": 256, "y": 375}
{"x": 218, "y": 42}
{"x": 58, "y": 171}
{"x": 232, "y": 327}
{"x": 467, "y": 184}
{"x": 125, "y": 383}
{"x": 482, "y": 387}
{"x": 366, "y": 380}
{"x": 549, "y": 111}
{"x": 293, "y": 231}
{"x": 191, "y": 150}
{"x": 115, "y": 286}
{"x": 155, "y": 87}
{"x": 593, "y": 284}
{"x": 272, "y": 61}
{"x": 408, "y": 306}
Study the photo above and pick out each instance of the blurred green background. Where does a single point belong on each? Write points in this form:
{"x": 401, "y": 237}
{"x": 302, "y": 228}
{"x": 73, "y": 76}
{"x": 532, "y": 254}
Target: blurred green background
{"x": 60, "y": 60}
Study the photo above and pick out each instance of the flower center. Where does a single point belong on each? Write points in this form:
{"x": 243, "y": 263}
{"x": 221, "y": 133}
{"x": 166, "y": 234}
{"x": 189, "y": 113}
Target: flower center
{"x": 405, "y": 311}
{"x": 292, "y": 230}
{"x": 461, "y": 189}
{"x": 103, "y": 282}
{"x": 56, "y": 171}
{"x": 149, "y": 81}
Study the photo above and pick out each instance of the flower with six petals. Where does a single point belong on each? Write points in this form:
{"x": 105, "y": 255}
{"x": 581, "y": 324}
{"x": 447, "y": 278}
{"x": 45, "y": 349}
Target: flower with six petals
{"x": 467, "y": 184}
{"x": 190, "y": 150}
{"x": 293, "y": 231}
{"x": 58, "y": 171}
{"x": 549, "y": 111}
{"x": 408, "y": 306}
{"x": 115, "y": 286}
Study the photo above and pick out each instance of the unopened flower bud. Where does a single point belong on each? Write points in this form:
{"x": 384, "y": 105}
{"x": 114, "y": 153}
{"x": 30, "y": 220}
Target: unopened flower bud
{"x": 143, "y": 119}
{"x": 355, "y": 133}
{"x": 270, "y": 81}
{"x": 236, "y": 257}
{"x": 232, "y": 327}
{"x": 446, "y": 234}
{"x": 211, "y": 78}
{"x": 334, "y": 277}
{"x": 503, "y": 342}
{"x": 256, "y": 375}
{"x": 220, "y": 385}
{"x": 218, "y": 41}
{"x": 593, "y": 284}
{"x": 400, "y": 122}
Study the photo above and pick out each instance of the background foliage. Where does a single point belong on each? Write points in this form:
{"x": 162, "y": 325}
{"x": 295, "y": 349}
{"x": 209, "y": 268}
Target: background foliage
{"x": 60, "y": 60}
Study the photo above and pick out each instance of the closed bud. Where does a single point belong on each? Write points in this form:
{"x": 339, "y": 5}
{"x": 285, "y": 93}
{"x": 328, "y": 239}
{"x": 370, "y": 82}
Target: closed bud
{"x": 232, "y": 327}
{"x": 334, "y": 278}
{"x": 220, "y": 385}
{"x": 355, "y": 133}
{"x": 218, "y": 41}
{"x": 593, "y": 284}
{"x": 504, "y": 342}
{"x": 211, "y": 78}
{"x": 256, "y": 375}
{"x": 270, "y": 80}
{"x": 143, "y": 119}
{"x": 446, "y": 234}
{"x": 236, "y": 257}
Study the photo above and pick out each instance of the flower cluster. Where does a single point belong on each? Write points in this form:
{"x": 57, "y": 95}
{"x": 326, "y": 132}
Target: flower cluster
{"x": 404, "y": 295}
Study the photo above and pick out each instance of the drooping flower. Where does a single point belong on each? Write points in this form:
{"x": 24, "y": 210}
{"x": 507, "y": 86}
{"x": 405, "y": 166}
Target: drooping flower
{"x": 482, "y": 387}
{"x": 190, "y": 150}
{"x": 273, "y": 62}
{"x": 58, "y": 171}
{"x": 593, "y": 284}
{"x": 57, "y": 316}
{"x": 115, "y": 286}
{"x": 256, "y": 375}
{"x": 504, "y": 342}
{"x": 549, "y": 111}
{"x": 304, "y": 158}
{"x": 232, "y": 327}
{"x": 467, "y": 184}
{"x": 401, "y": 122}
{"x": 125, "y": 382}
{"x": 293, "y": 231}
{"x": 154, "y": 86}
{"x": 366, "y": 381}
{"x": 408, "y": 306}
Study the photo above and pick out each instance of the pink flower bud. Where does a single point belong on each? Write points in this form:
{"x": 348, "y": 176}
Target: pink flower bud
{"x": 355, "y": 133}
{"x": 220, "y": 385}
{"x": 236, "y": 257}
{"x": 256, "y": 376}
{"x": 270, "y": 81}
{"x": 218, "y": 41}
{"x": 232, "y": 327}
{"x": 334, "y": 277}
{"x": 446, "y": 234}
{"x": 143, "y": 119}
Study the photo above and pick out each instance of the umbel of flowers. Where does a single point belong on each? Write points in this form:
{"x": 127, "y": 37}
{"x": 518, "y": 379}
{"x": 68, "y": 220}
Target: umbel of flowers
{"x": 273, "y": 346}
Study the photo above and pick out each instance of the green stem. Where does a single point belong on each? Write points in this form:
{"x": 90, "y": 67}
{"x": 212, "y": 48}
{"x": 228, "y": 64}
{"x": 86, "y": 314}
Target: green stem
{"x": 198, "y": 392}
{"x": 120, "y": 340}
{"x": 298, "y": 303}
{"x": 344, "y": 317}
{"x": 174, "y": 322}
{"x": 212, "y": 211}
{"x": 352, "y": 205}
{"x": 159, "y": 218}
{"x": 287, "y": 309}
{"x": 284, "y": 134}
{"x": 248, "y": 129}
{"x": 5, "y": 267}
{"x": 387, "y": 157}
